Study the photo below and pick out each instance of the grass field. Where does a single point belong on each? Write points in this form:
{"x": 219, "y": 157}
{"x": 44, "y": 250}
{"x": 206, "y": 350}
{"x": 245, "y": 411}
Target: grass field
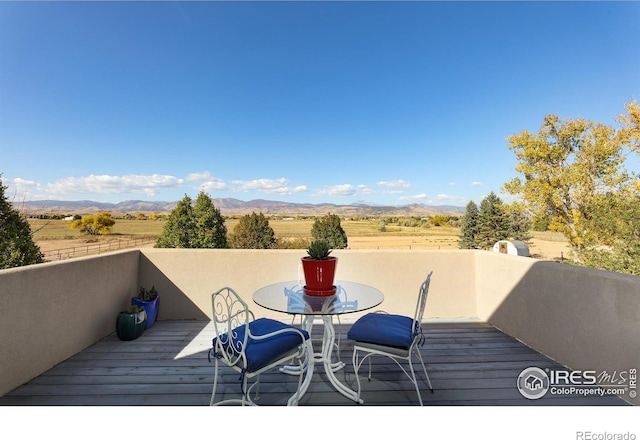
{"x": 60, "y": 230}
{"x": 56, "y": 234}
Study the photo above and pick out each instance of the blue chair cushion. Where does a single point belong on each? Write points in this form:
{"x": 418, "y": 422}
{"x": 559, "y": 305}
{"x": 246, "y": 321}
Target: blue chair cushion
{"x": 262, "y": 352}
{"x": 383, "y": 329}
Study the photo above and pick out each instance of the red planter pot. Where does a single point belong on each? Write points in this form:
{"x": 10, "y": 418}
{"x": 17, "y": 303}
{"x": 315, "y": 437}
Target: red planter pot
{"x": 319, "y": 276}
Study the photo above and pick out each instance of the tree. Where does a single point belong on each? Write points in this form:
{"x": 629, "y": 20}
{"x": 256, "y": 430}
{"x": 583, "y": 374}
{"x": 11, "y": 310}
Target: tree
{"x": 211, "y": 231}
{"x": 17, "y": 247}
{"x": 468, "y": 238}
{"x": 519, "y": 222}
{"x": 614, "y": 222}
{"x": 629, "y": 134}
{"x": 439, "y": 220}
{"x": 253, "y": 232}
{"x": 180, "y": 228}
{"x": 191, "y": 227}
{"x": 329, "y": 228}
{"x": 563, "y": 167}
{"x": 481, "y": 229}
{"x": 99, "y": 224}
{"x": 493, "y": 224}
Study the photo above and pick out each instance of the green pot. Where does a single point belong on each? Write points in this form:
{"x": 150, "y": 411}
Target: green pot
{"x": 130, "y": 326}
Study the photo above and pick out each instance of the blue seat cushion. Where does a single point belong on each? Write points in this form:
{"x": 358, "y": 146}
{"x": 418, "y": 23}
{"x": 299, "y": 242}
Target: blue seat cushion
{"x": 383, "y": 329}
{"x": 262, "y": 352}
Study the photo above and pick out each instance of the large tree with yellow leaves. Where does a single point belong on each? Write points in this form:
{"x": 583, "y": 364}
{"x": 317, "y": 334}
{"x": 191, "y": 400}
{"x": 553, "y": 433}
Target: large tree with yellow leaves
{"x": 567, "y": 164}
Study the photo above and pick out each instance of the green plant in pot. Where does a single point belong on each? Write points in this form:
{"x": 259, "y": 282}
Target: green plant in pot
{"x": 319, "y": 250}
{"x": 131, "y": 323}
{"x": 150, "y": 300}
{"x": 319, "y": 269}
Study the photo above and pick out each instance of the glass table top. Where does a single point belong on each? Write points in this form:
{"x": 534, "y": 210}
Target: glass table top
{"x": 289, "y": 297}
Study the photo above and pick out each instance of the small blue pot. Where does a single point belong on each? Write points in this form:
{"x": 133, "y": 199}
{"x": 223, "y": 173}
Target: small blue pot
{"x": 151, "y": 307}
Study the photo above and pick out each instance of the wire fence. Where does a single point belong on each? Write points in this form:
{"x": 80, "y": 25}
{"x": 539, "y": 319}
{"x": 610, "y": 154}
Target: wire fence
{"x": 97, "y": 248}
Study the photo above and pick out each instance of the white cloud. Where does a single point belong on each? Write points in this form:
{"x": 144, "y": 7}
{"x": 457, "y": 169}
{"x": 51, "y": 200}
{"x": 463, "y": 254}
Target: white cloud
{"x": 23, "y": 186}
{"x": 449, "y": 198}
{"x": 269, "y": 186}
{"x": 206, "y": 182}
{"x": 202, "y": 176}
{"x": 364, "y": 190}
{"x": 477, "y": 183}
{"x": 213, "y": 185}
{"x": 415, "y": 198}
{"x": 394, "y": 184}
{"x": 345, "y": 190}
{"x": 105, "y": 184}
{"x": 21, "y": 189}
{"x": 23, "y": 183}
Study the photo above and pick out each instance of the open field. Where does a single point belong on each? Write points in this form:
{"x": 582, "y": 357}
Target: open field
{"x": 55, "y": 235}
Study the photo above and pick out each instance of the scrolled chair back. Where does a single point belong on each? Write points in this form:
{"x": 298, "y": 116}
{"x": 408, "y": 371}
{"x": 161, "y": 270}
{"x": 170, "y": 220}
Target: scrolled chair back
{"x": 230, "y": 314}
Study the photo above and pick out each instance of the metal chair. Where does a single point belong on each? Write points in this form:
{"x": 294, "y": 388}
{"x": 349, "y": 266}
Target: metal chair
{"x": 252, "y": 346}
{"x": 394, "y": 336}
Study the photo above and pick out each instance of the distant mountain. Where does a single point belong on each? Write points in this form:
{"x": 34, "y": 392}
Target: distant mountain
{"x": 230, "y": 206}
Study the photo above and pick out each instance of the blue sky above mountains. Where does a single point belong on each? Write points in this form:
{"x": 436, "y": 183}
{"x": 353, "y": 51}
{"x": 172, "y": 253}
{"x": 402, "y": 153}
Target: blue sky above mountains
{"x": 306, "y": 102}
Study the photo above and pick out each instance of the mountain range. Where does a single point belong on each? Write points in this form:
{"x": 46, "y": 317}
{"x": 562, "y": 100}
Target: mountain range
{"x": 230, "y": 206}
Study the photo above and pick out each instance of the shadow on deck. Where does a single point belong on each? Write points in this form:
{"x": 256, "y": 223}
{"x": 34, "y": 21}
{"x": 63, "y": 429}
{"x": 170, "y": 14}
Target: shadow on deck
{"x": 469, "y": 363}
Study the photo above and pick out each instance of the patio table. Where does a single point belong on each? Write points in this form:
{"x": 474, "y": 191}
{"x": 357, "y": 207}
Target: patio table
{"x": 289, "y": 297}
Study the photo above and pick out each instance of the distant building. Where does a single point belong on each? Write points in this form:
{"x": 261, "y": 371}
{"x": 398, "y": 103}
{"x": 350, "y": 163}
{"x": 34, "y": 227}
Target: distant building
{"x": 512, "y": 247}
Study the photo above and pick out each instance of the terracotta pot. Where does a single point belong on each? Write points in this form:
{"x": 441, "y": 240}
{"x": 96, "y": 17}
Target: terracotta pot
{"x": 319, "y": 276}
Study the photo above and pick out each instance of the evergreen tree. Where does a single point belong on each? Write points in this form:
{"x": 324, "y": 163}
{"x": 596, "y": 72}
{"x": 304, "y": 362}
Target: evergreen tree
{"x": 17, "y": 247}
{"x": 180, "y": 229}
{"x": 493, "y": 224}
{"x": 253, "y": 232}
{"x": 468, "y": 238}
{"x": 329, "y": 228}
{"x": 211, "y": 231}
{"x": 192, "y": 227}
{"x": 519, "y": 223}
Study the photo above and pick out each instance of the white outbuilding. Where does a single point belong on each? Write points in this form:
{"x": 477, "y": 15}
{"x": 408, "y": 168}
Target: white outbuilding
{"x": 512, "y": 247}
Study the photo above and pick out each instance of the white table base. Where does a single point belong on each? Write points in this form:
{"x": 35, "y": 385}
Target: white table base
{"x": 325, "y": 357}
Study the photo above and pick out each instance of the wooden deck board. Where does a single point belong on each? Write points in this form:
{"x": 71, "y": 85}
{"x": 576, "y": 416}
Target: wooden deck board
{"x": 468, "y": 363}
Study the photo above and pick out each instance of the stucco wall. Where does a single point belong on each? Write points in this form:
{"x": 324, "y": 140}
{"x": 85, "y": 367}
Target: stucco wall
{"x": 187, "y": 278}
{"x": 51, "y": 311}
{"x": 585, "y": 319}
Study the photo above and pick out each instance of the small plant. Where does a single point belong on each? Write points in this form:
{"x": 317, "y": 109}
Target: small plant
{"x": 148, "y": 295}
{"x": 132, "y": 310}
{"x": 319, "y": 250}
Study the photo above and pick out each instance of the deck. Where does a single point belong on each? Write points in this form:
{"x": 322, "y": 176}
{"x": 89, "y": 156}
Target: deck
{"x": 469, "y": 363}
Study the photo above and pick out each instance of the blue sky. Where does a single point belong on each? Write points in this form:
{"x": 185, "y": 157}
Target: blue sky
{"x": 339, "y": 102}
